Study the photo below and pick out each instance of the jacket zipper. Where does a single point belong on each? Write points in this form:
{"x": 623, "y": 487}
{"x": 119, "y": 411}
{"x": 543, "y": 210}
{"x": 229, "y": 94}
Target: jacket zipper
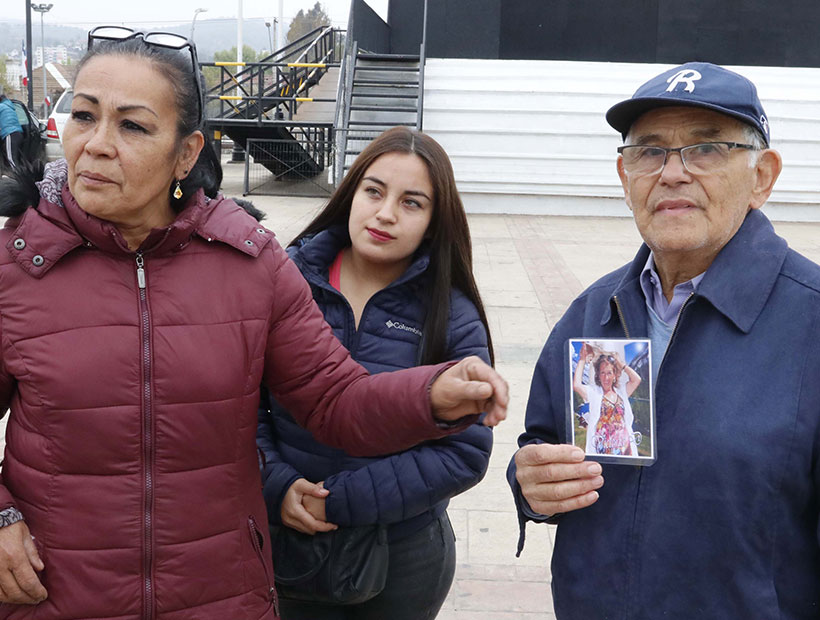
{"x": 671, "y": 337}
{"x": 255, "y": 536}
{"x": 148, "y": 443}
{"x": 621, "y": 316}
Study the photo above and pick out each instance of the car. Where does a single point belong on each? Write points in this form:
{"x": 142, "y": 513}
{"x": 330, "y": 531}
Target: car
{"x": 56, "y": 122}
{"x": 34, "y": 135}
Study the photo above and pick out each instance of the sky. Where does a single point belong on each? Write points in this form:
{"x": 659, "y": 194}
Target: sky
{"x": 84, "y": 13}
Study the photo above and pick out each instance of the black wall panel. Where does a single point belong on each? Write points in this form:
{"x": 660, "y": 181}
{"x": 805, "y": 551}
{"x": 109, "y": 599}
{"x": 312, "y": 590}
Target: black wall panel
{"x": 732, "y": 32}
{"x": 455, "y": 28}
{"x": 370, "y": 31}
{"x": 623, "y": 30}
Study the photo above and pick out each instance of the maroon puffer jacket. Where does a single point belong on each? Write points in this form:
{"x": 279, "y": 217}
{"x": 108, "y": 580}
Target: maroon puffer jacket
{"x": 133, "y": 385}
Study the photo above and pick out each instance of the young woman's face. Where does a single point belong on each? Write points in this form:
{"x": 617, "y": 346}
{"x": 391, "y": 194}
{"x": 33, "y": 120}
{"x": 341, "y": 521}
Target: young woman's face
{"x": 606, "y": 375}
{"x": 391, "y": 210}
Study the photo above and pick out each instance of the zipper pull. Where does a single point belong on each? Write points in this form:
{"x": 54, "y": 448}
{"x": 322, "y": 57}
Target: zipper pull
{"x": 140, "y": 271}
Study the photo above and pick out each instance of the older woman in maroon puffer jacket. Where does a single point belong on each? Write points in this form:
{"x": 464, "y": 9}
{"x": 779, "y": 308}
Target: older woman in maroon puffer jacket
{"x": 139, "y": 313}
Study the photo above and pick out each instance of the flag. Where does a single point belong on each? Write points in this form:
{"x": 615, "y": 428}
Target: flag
{"x": 24, "y": 66}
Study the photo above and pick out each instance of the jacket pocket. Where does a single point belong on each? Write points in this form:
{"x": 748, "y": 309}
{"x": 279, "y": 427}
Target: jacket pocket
{"x": 258, "y": 542}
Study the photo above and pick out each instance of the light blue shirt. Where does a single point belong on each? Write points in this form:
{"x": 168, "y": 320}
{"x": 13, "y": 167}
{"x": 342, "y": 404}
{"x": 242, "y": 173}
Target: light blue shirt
{"x": 662, "y": 313}
{"x": 667, "y": 311}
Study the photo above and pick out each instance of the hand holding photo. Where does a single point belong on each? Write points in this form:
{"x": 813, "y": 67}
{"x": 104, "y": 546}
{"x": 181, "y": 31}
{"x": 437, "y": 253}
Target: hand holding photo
{"x": 611, "y": 413}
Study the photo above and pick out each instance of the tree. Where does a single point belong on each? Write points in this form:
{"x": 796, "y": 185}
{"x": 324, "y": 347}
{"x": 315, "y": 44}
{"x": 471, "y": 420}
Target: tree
{"x": 305, "y": 22}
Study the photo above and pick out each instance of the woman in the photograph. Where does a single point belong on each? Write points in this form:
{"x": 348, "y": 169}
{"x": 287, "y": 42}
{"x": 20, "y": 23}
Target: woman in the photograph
{"x": 140, "y": 311}
{"x": 389, "y": 263}
{"x": 609, "y": 426}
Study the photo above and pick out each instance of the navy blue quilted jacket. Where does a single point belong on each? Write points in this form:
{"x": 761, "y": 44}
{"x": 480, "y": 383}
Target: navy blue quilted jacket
{"x": 406, "y": 490}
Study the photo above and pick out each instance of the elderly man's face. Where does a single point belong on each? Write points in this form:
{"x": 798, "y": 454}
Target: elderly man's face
{"x": 683, "y": 214}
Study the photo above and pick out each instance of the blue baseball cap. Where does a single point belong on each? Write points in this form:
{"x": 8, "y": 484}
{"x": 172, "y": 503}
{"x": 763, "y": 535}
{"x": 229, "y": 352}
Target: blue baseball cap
{"x": 695, "y": 84}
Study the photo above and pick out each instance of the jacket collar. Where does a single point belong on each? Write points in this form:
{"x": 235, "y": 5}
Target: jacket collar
{"x": 314, "y": 256}
{"x": 105, "y": 236}
{"x": 739, "y": 281}
{"x": 42, "y": 236}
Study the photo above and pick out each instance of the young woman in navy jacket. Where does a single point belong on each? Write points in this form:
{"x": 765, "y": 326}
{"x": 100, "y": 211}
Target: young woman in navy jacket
{"x": 389, "y": 262}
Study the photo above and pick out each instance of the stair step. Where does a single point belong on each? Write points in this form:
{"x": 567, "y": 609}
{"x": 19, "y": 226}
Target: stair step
{"x": 385, "y": 84}
{"x": 380, "y": 124}
{"x": 384, "y": 95}
{"x": 378, "y": 108}
{"x": 390, "y": 57}
{"x": 381, "y": 68}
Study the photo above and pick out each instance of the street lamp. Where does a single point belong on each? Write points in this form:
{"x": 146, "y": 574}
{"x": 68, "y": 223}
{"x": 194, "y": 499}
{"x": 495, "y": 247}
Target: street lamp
{"x": 270, "y": 37}
{"x": 42, "y": 9}
{"x": 193, "y": 21}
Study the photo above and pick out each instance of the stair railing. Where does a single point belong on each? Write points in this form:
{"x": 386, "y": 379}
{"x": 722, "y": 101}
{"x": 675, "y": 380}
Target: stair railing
{"x": 254, "y": 95}
{"x": 343, "y": 113}
{"x": 422, "y": 60}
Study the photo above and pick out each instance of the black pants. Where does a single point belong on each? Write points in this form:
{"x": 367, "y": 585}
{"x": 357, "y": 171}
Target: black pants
{"x": 12, "y": 145}
{"x": 418, "y": 579}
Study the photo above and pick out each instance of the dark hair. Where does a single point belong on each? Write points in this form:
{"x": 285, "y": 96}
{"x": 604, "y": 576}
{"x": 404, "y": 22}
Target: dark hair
{"x": 451, "y": 258}
{"x": 599, "y": 362}
{"x": 175, "y": 65}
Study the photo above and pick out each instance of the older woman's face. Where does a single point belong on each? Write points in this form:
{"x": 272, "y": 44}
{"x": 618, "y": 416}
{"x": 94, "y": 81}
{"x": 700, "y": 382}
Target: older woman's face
{"x": 121, "y": 141}
{"x": 606, "y": 375}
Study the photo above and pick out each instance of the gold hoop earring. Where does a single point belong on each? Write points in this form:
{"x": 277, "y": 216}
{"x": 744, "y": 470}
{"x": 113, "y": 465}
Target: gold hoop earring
{"x": 178, "y": 191}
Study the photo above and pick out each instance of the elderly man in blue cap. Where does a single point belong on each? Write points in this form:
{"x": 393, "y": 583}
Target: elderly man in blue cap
{"x": 725, "y": 523}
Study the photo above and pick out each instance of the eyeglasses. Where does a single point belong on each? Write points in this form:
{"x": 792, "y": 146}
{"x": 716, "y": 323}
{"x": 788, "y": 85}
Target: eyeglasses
{"x": 702, "y": 158}
{"x": 167, "y": 40}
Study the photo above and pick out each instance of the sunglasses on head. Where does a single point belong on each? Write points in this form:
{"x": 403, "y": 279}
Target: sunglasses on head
{"x": 167, "y": 40}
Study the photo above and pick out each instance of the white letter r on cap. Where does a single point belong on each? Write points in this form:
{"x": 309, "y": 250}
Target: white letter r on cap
{"x": 687, "y": 76}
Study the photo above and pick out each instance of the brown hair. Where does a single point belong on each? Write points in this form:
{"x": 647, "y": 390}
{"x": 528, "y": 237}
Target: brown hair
{"x": 599, "y": 362}
{"x": 451, "y": 258}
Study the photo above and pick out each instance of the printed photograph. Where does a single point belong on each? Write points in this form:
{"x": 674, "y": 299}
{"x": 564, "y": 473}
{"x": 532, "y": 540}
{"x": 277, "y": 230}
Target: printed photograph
{"x": 611, "y": 405}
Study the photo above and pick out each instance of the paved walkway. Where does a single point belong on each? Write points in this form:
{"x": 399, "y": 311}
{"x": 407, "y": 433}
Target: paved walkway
{"x": 529, "y": 268}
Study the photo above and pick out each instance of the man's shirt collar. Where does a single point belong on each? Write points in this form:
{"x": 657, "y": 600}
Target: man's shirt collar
{"x": 666, "y": 311}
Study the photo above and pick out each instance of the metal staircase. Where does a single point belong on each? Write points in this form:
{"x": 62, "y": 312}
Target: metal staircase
{"x": 282, "y": 109}
{"x": 259, "y": 106}
{"x": 382, "y": 91}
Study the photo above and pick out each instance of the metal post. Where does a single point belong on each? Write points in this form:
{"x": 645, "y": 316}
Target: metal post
{"x": 43, "y": 58}
{"x": 280, "y": 43}
{"x": 239, "y": 33}
{"x": 42, "y": 9}
{"x": 193, "y": 21}
{"x": 270, "y": 36}
{"x": 29, "y": 63}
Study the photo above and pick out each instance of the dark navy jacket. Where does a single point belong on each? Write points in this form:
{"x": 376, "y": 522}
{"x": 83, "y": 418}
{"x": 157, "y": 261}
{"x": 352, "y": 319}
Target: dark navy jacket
{"x": 407, "y": 490}
{"x": 725, "y": 523}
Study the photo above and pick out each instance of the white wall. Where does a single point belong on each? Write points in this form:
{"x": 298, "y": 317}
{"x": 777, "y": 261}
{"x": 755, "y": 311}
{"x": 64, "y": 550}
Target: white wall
{"x": 530, "y": 136}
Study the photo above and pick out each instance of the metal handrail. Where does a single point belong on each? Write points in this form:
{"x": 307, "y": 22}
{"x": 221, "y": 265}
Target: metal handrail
{"x": 298, "y": 45}
{"x": 321, "y": 34}
{"x": 289, "y": 77}
{"x": 422, "y": 61}
{"x": 341, "y": 99}
{"x": 341, "y": 143}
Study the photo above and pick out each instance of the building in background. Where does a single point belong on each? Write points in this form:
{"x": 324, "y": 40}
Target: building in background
{"x": 57, "y": 54}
